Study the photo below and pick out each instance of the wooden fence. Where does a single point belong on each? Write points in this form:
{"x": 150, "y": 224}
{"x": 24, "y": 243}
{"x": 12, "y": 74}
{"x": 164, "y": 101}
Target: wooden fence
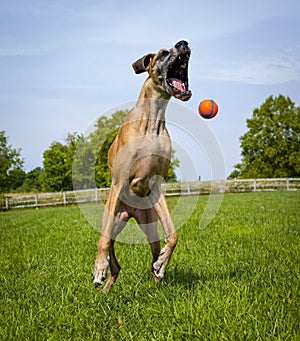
{"x": 11, "y": 201}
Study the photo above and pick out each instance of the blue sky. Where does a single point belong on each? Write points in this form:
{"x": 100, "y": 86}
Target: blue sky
{"x": 64, "y": 63}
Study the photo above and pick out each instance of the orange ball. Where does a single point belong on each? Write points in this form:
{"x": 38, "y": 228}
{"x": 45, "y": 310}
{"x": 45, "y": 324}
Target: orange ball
{"x": 208, "y": 108}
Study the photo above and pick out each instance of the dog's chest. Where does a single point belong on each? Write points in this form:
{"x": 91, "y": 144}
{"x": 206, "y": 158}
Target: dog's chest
{"x": 143, "y": 155}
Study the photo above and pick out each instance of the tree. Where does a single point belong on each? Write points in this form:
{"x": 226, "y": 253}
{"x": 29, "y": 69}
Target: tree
{"x": 32, "y": 181}
{"x": 271, "y": 146}
{"x": 16, "y": 178}
{"x": 171, "y": 175}
{"x": 54, "y": 177}
{"x": 58, "y": 159}
{"x": 90, "y": 158}
{"x": 102, "y": 171}
{"x": 100, "y": 141}
{"x": 105, "y": 126}
{"x": 11, "y": 165}
{"x": 83, "y": 166}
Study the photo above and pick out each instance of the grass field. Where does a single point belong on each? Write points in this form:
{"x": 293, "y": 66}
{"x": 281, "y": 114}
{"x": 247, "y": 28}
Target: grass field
{"x": 237, "y": 279}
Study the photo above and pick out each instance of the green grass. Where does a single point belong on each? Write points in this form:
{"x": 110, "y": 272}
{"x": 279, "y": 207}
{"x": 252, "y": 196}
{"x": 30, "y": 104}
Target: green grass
{"x": 237, "y": 279}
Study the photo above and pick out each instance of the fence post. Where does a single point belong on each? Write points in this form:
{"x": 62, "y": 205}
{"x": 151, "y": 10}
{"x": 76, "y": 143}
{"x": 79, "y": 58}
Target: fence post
{"x": 7, "y": 203}
{"x": 36, "y": 200}
{"x": 96, "y": 194}
{"x": 254, "y": 185}
{"x": 65, "y": 198}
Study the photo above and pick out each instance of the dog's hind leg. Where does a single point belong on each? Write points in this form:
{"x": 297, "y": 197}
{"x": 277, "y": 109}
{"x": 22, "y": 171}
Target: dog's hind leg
{"x": 119, "y": 223}
{"x": 148, "y": 221}
{"x": 114, "y": 267}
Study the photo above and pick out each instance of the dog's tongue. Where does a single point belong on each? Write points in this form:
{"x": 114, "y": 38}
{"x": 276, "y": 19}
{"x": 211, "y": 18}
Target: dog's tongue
{"x": 177, "y": 83}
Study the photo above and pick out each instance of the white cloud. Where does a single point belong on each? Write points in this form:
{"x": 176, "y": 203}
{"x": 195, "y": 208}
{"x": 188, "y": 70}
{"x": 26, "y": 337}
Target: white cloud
{"x": 262, "y": 70}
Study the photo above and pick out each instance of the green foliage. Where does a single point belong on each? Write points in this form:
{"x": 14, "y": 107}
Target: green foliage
{"x": 31, "y": 182}
{"x": 16, "y": 179}
{"x": 11, "y": 164}
{"x": 58, "y": 159}
{"x": 101, "y": 140}
{"x": 105, "y": 127}
{"x": 90, "y": 167}
{"x": 83, "y": 165}
{"x": 55, "y": 168}
{"x": 102, "y": 171}
{"x": 171, "y": 176}
{"x": 271, "y": 146}
{"x": 238, "y": 279}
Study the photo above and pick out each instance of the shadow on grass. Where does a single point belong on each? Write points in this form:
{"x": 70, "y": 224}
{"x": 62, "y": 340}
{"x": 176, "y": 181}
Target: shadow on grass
{"x": 190, "y": 277}
{"x": 187, "y": 277}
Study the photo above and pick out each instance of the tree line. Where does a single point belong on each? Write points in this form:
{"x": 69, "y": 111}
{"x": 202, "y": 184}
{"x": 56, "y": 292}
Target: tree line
{"x": 78, "y": 163}
{"x": 271, "y": 146}
{"x": 269, "y": 149}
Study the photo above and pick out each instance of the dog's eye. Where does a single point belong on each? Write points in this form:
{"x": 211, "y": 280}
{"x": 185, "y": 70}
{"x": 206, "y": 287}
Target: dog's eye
{"x": 163, "y": 54}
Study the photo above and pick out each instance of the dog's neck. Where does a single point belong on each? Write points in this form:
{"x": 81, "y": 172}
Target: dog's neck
{"x": 150, "y": 108}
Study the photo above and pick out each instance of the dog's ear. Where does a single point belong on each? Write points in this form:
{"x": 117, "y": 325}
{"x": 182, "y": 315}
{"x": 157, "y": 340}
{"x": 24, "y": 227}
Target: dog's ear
{"x": 142, "y": 64}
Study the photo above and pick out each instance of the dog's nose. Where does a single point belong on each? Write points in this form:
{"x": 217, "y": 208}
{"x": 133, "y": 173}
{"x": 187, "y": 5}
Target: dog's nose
{"x": 181, "y": 43}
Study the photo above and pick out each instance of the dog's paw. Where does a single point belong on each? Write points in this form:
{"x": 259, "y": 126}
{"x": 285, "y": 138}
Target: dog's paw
{"x": 100, "y": 270}
{"x": 99, "y": 277}
{"x": 157, "y": 270}
{"x": 159, "y": 267}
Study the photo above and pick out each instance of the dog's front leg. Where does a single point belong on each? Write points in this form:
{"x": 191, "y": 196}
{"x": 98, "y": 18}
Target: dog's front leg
{"x": 102, "y": 261}
{"x": 104, "y": 244}
{"x": 161, "y": 208}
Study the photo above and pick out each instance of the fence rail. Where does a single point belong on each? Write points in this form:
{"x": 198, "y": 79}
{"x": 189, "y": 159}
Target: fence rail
{"x": 11, "y": 201}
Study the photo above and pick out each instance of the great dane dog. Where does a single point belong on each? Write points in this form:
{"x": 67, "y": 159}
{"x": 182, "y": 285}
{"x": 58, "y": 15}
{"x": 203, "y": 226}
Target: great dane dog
{"x": 139, "y": 159}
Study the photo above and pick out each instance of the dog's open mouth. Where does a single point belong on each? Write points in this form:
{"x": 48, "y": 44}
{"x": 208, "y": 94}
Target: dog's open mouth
{"x": 177, "y": 77}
